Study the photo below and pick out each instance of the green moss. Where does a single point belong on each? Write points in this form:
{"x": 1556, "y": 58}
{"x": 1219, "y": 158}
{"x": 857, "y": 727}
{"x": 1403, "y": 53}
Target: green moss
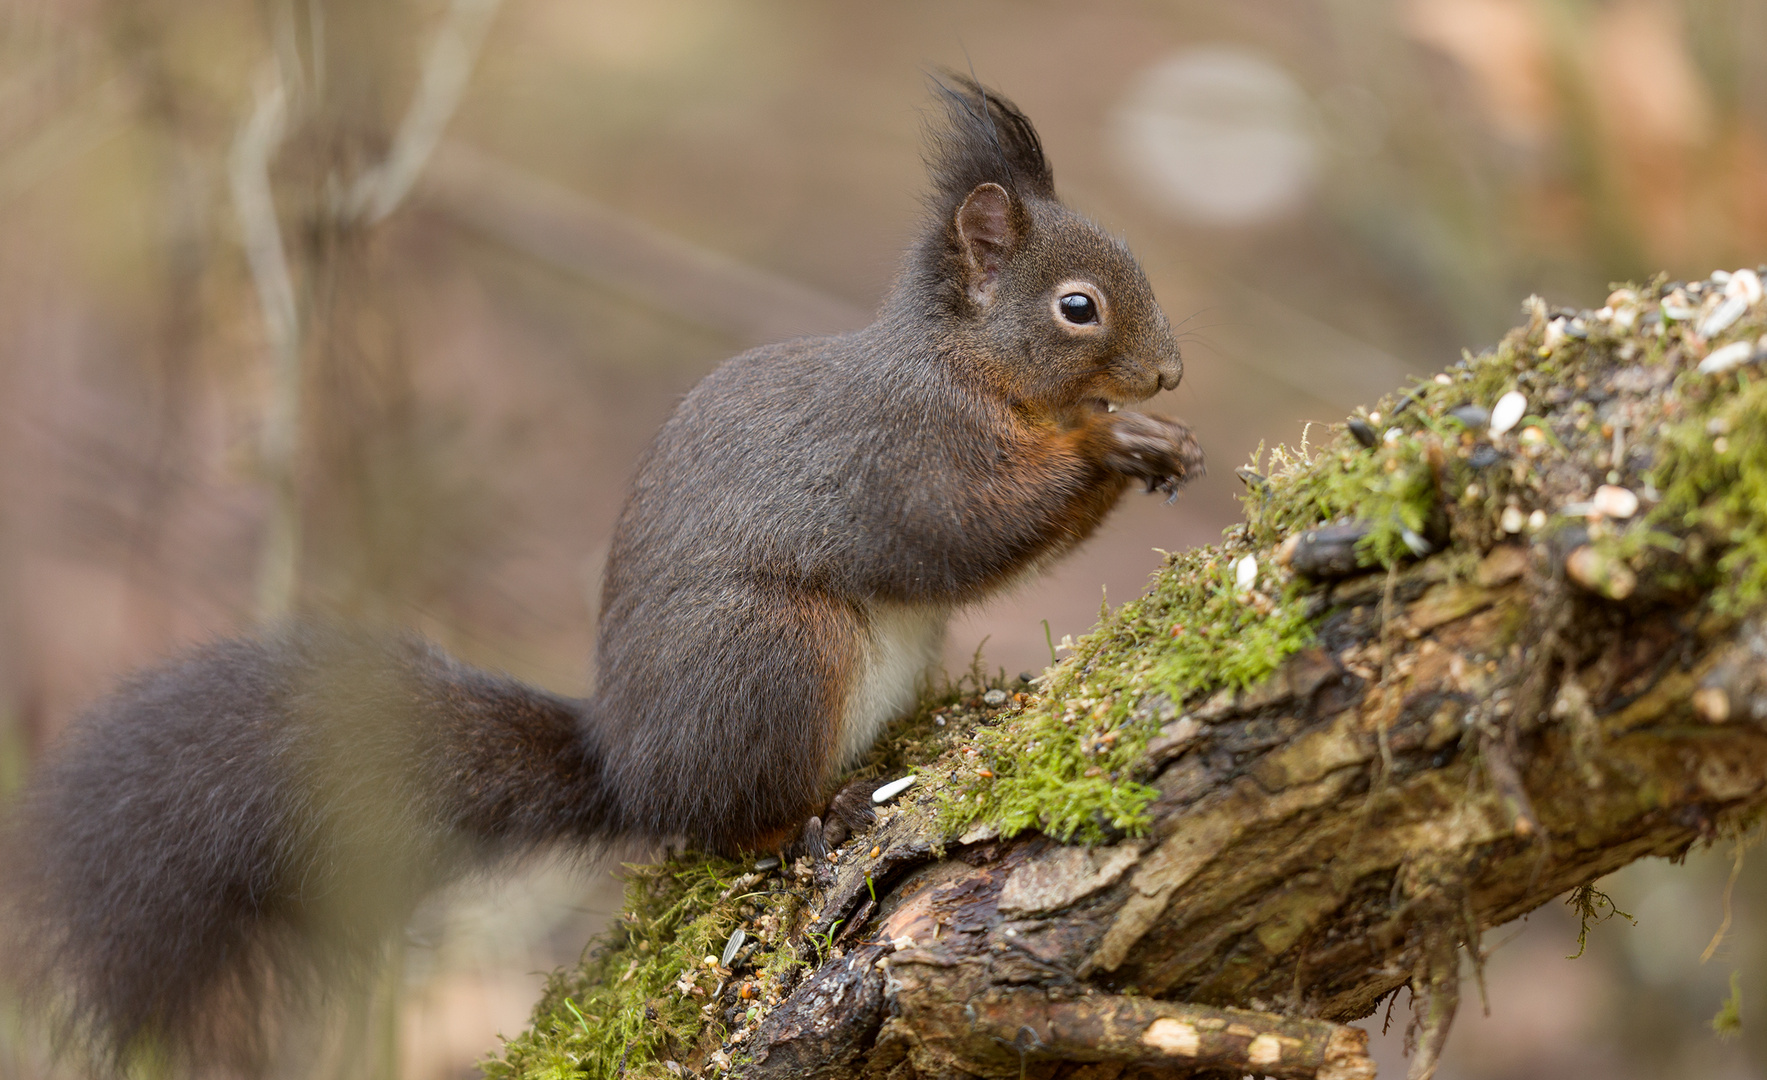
{"x": 1065, "y": 765}
{"x": 1728, "y": 1022}
{"x": 1713, "y": 479}
{"x": 639, "y": 996}
{"x": 1396, "y": 487}
{"x": 1591, "y": 905}
{"x": 1389, "y": 488}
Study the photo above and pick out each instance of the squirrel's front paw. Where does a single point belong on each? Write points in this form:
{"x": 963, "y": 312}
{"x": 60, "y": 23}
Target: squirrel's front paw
{"x": 1163, "y": 452}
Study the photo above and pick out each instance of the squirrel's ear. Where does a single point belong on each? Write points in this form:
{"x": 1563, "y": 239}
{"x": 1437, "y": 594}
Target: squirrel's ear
{"x": 989, "y": 231}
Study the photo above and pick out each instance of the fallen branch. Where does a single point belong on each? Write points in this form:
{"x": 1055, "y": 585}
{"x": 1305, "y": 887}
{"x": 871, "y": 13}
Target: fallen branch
{"x": 1258, "y": 801}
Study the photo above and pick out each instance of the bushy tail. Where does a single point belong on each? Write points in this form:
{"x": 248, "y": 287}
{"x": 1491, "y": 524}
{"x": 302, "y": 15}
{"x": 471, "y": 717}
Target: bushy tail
{"x": 248, "y": 824}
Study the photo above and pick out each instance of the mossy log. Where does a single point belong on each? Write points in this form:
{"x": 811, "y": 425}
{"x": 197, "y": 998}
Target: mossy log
{"x": 1494, "y": 639}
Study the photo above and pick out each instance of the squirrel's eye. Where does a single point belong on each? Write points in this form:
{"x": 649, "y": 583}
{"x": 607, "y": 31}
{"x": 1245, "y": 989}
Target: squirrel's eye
{"x": 1078, "y": 308}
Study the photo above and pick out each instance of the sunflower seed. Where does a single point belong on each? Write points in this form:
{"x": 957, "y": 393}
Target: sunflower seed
{"x": 1614, "y": 501}
{"x": 1746, "y": 284}
{"x": 891, "y": 790}
{"x": 1471, "y": 416}
{"x": 1733, "y": 355}
{"x": 1721, "y": 318}
{"x": 737, "y": 937}
{"x": 1508, "y": 411}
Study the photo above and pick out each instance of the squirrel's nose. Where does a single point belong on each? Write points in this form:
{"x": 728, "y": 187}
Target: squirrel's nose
{"x": 1170, "y": 366}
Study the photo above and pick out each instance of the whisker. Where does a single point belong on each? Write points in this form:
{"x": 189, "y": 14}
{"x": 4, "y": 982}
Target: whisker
{"x": 1194, "y": 314}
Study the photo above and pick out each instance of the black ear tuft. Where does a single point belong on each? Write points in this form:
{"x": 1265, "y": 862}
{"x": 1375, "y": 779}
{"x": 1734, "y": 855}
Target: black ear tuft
{"x": 984, "y": 139}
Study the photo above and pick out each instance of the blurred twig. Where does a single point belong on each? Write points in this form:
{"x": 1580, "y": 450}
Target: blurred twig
{"x": 377, "y": 192}
{"x": 1729, "y": 888}
{"x": 558, "y": 226}
{"x": 249, "y": 175}
{"x": 374, "y": 195}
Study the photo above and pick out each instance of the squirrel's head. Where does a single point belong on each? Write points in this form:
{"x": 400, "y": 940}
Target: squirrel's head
{"x": 1057, "y": 309}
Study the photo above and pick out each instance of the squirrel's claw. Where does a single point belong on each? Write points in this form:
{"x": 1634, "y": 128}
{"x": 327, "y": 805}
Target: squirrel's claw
{"x": 1159, "y": 451}
{"x": 810, "y": 841}
{"x": 849, "y": 811}
{"x": 813, "y": 843}
{"x": 1167, "y": 486}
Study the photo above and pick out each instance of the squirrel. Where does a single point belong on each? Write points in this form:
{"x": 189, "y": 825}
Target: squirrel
{"x": 252, "y": 820}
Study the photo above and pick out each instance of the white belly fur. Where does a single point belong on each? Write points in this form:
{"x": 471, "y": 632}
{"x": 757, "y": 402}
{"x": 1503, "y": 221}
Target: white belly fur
{"x": 902, "y": 649}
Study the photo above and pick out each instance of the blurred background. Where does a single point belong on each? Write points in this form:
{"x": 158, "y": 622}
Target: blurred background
{"x": 368, "y": 306}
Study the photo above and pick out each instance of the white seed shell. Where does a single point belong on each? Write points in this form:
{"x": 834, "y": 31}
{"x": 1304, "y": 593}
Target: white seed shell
{"x": 732, "y": 946}
{"x": 1722, "y": 316}
{"x": 1512, "y": 520}
{"x": 1508, "y": 411}
{"x": 1600, "y": 573}
{"x": 891, "y": 790}
{"x": 1746, "y": 284}
{"x": 1614, "y": 501}
{"x": 1733, "y": 355}
{"x": 1245, "y": 573}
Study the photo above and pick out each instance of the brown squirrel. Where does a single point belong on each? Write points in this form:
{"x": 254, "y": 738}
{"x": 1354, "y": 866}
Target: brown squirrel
{"x": 253, "y": 819}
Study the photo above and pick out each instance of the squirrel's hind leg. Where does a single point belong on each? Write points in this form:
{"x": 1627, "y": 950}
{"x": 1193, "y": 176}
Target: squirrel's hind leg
{"x": 738, "y": 754}
{"x": 793, "y": 686}
{"x": 899, "y": 649}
